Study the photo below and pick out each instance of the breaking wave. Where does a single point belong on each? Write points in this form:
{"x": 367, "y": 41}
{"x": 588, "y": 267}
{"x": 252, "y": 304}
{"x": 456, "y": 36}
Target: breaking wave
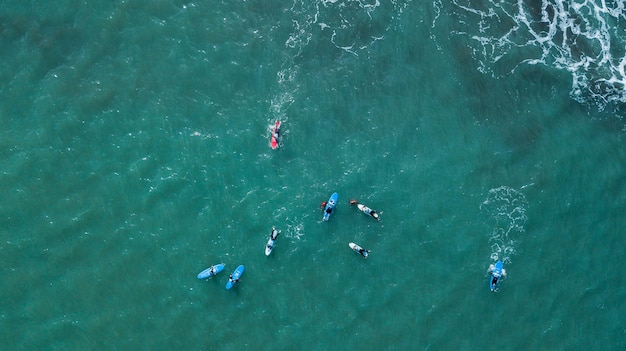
{"x": 586, "y": 38}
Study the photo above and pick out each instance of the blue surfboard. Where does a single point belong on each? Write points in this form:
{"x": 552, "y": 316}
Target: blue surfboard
{"x": 211, "y": 271}
{"x": 234, "y": 278}
{"x": 496, "y": 275}
{"x": 330, "y": 206}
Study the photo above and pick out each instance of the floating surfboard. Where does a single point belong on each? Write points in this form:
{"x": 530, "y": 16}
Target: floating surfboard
{"x": 234, "y": 278}
{"x": 211, "y": 271}
{"x": 358, "y": 249}
{"x": 330, "y": 206}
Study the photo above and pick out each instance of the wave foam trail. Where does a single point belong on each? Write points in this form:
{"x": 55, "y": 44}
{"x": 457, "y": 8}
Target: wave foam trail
{"x": 295, "y": 228}
{"x": 352, "y": 25}
{"x": 349, "y": 25}
{"x": 585, "y": 38}
{"x": 506, "y": 210}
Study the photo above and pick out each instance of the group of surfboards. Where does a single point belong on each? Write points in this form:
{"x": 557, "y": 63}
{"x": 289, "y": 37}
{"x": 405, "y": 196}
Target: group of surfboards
{"x": 234, "y": 277}
{"x": 496, "y": 270}
{"x": 329, "y": 207}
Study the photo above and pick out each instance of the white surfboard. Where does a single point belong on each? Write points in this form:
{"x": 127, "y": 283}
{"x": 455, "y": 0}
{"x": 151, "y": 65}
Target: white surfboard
{"x": 358, "y": 249}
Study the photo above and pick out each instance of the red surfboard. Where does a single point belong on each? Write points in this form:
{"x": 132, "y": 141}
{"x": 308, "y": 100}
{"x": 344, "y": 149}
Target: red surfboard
{"x": 275, "y": 136}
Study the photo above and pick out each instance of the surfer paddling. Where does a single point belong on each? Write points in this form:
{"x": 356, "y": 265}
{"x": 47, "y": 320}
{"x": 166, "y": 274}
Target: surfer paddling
{"x": 368, "y": 211}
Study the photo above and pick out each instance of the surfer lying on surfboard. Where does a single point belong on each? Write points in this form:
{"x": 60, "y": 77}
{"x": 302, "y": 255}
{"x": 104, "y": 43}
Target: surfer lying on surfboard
{"x": 272, "y": 241}
{"x": 365, "y": 209}
{"x": 497, "y": 272}
{"x": 358, "y": 249}
{"x": 492, "y": 269}
{"x": 275, "y": 139}
{"x": 329, "y": 210}
{"x": 274, "y": 234}
{"x": 331, "y": 206}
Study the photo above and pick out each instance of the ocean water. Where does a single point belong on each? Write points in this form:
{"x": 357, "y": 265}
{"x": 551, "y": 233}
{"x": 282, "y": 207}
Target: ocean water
{"x": 135, "y": 153}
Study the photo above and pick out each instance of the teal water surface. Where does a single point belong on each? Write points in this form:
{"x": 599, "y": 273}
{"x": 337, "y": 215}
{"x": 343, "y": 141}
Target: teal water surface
{"x": 135, "y": 154}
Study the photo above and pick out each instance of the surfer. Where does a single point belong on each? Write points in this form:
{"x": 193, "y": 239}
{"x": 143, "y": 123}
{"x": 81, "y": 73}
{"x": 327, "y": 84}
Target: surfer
{"x": 374, "y": 214}
{"x": 277, "y": 134}
{"x": 274, "y": 234}
{"x": 275, "y": 139}
{"x": 497, "y": 272}
{"x": 492, "y": 267}
{"x": 366, "y": 210}
{"x": 331, "y": 205}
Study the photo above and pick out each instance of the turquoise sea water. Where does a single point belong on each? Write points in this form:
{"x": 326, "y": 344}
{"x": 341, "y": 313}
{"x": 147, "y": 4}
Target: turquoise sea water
{"x": 135, "y": 153}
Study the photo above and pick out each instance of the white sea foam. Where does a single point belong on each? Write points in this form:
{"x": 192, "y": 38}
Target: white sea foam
{"x": 351, "y": 26}
{"x": 585, "y": 38}
{"x": 295, "y": 228}
{"x": 505, "y": 208}
{"x": 352, "y": 23}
